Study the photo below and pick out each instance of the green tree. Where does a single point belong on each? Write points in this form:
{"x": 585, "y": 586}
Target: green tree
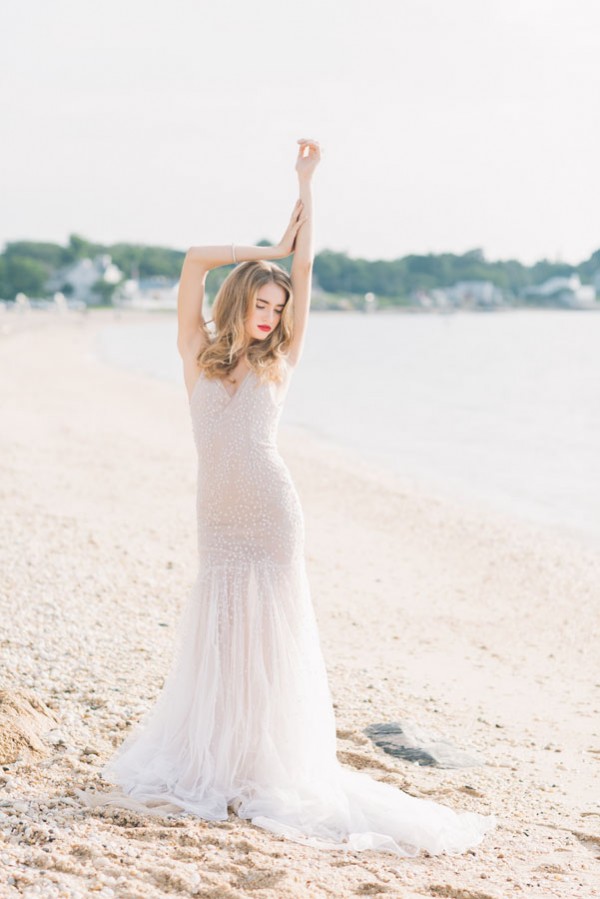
{"x": 141, "y": 261}
{"x": 104, "y": 291}
{"x": 80, "y": 248}
{"x": 52, "y": 255}
{"x": 24, "y": 275}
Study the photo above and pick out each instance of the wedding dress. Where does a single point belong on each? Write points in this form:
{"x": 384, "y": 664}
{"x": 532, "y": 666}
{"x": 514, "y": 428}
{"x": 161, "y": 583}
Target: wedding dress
{"x": 244, "y": 720}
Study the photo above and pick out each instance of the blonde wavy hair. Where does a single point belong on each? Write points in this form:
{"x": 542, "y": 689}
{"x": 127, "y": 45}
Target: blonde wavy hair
{"x": 232, "y": 305}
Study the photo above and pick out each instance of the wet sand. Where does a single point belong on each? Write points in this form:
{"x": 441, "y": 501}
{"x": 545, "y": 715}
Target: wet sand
{"x": 475, "y": 626}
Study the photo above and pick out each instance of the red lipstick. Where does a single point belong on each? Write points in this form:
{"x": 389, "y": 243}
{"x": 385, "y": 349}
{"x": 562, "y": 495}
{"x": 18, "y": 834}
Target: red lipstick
{"x": 264, "y": 327}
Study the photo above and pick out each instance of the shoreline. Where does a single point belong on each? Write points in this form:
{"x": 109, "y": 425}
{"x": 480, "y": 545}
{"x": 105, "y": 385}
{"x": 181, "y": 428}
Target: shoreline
{"x": 475, "y": 626}
{"x": 456, "y": 491}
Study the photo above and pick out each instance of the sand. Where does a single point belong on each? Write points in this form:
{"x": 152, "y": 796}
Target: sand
{"x": 477, "y": 627}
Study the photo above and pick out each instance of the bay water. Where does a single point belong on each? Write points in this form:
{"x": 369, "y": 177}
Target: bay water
{"x": 503, "y": 407}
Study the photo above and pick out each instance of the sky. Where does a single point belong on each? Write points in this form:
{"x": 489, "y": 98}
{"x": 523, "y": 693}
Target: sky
{"x": 445, "y": 126}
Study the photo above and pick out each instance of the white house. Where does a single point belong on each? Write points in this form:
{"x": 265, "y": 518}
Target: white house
{"x": 156, "y": 292}
{"x": 474, "y": 293}
{"x": 462, "y": 295}
{"x": 565, "y": 290}
{"x": 78, "y": 279}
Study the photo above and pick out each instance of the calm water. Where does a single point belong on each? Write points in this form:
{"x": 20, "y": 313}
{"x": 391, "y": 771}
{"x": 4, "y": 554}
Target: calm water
{"x": 504, "y": 407}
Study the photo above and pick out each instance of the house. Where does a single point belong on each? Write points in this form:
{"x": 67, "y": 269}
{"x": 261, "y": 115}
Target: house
{"x": 78, "y": 279}
{"x": 462, "y": 295}
{"x": 566, "y": 291}
{"x": 468, "y": 294}
{"x": 156, "y": 292}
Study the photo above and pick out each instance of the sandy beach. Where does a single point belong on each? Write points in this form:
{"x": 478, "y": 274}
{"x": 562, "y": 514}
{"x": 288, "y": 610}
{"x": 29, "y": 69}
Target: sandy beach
{"x": 475, "y": 626}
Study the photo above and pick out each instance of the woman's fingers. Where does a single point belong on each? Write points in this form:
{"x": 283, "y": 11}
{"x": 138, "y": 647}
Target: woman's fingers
{"x": 309, "y": 150}
{"x": 307, "y": 144}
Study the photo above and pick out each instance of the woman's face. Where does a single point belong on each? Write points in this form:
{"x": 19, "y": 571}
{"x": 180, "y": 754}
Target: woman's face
{"x": 265, "y": 315}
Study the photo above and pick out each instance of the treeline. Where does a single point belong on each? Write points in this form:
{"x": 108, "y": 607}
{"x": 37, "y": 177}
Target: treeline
{"x": 25, "y": 267}
{"x": 338, "y": 273}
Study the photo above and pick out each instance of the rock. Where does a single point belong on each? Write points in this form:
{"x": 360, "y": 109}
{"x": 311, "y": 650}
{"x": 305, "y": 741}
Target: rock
{"x": 20, "y": 806}
{"x": 404, "y": 740}
{"x": 24, "y": 718}
{"x": 56, "y": 738}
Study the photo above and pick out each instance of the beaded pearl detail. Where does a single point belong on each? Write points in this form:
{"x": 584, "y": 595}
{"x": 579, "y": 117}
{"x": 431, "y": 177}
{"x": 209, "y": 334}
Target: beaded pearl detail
{"x": 247, "y": 505}
{"x": 245, "y": 719}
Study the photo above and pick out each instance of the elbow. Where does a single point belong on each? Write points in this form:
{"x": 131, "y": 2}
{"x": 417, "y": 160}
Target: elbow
{"x": 196, "y": 258}
{"x": 195, "y": 254}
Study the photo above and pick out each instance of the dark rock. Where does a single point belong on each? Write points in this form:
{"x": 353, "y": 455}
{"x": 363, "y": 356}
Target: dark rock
{"x": 404, "y": 740}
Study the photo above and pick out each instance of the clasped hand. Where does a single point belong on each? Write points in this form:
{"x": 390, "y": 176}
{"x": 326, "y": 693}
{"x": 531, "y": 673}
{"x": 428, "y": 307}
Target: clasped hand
{"x": 286, "y": 244}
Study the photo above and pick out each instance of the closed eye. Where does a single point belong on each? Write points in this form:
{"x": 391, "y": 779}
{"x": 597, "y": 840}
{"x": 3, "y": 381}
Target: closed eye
{"x": 264, "y": 307}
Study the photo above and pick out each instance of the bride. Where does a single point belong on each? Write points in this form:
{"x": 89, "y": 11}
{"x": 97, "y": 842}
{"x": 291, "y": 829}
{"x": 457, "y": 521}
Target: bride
{"x": 244, "y": 721}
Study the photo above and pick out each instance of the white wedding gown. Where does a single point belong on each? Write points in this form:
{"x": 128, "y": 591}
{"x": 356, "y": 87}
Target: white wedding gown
{"x": 244, "y": 720}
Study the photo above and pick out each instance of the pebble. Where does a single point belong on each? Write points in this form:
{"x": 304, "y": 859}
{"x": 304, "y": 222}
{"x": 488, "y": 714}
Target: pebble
{"x": 20, "y": 806}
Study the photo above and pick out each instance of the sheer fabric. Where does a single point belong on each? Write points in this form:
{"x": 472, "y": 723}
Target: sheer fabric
{"x": 244, "y": 720}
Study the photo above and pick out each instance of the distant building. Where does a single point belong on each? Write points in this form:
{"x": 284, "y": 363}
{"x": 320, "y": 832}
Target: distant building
{"x": 566, "y": 291}
{"x": 78, "y": 279}
{"x": 156, "y": 292}
{"x": 474, "y": 293}
{"x": 462, "y": 295}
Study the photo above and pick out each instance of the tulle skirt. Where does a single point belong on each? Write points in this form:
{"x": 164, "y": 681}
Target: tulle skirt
{"x": 244, "y": 722}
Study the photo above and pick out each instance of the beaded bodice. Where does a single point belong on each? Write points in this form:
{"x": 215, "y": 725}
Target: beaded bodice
{"x": 247, "y": 505}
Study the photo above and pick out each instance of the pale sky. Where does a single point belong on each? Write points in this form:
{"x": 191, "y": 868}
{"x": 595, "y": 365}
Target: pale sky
{"x": 446, "y": 125}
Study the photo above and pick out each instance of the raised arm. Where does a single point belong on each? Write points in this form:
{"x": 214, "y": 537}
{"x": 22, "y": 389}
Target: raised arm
{"x": 309, "y": 156}
{"x": 192, "y": 333}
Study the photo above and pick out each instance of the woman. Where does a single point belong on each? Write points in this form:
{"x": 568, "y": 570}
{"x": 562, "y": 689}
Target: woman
{"x": 245, "y": 719}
